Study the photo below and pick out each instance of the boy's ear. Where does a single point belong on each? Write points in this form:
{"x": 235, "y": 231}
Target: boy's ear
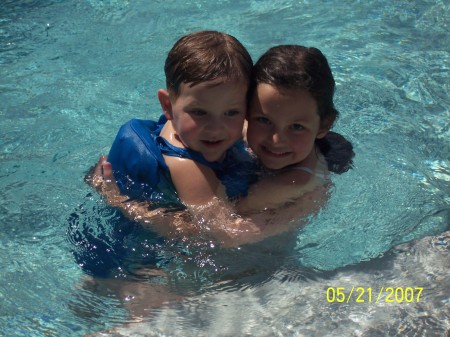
{"x": 166, "y": 105}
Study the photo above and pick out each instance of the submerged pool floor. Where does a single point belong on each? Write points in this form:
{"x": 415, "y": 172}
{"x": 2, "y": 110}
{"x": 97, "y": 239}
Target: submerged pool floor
{"x": 410, "y": 297}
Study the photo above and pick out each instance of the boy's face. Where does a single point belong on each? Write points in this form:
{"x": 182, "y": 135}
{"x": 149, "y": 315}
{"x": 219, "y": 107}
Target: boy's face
{"x": 209, "y": 116}
{"x": 282, "y": 127}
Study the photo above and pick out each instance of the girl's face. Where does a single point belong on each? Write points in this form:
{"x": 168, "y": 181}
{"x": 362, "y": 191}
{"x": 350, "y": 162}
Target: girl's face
{"x": 283, "y": 125}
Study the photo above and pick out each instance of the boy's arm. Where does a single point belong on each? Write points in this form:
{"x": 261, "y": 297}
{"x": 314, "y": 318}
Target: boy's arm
{"x": 196, "y": 184}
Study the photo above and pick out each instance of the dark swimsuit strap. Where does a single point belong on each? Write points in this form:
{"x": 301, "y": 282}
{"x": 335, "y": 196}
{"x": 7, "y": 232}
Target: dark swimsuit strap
{"x": 174, "y": 151}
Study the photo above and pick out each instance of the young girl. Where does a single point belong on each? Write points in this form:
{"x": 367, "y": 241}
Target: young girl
{"x": 290, "y": 115}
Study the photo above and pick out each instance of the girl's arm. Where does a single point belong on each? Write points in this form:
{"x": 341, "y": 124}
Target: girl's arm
{"x": 276, "y": 192}
{"x": 164, "y": 221}
{"x": 217, "y": 218}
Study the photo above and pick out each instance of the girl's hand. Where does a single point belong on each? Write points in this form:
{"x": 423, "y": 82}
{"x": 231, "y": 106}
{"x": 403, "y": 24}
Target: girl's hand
{"x": 94, "y": 177}
{"x": 109, "y": 188}
{"x": 101, "y": 178}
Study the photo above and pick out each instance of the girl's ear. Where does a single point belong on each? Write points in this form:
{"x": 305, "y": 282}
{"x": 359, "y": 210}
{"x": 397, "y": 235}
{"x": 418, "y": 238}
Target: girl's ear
{"x": 166, "y": 105}
{"x": 322, "y": 133}
{"x": 325, "y": 127}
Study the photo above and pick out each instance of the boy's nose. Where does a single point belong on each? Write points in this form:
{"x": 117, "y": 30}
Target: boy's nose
{"x": 214, "y": 124}
{"x": 278, "y": 137}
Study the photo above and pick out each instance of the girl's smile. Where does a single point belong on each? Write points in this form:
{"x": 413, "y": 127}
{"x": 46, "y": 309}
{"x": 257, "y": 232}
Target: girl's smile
{"x": 283, "y": 126}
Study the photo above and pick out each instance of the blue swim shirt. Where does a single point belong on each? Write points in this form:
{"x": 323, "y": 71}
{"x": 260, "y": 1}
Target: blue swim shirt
{"x": 137, "y": 159}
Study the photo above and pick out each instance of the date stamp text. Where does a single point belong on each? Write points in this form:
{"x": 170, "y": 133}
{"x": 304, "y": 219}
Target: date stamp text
{"x": 370, "y": 295}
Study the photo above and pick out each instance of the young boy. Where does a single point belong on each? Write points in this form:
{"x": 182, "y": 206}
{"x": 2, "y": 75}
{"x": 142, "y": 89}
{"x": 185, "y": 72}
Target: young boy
{"x": 194, "y": 151}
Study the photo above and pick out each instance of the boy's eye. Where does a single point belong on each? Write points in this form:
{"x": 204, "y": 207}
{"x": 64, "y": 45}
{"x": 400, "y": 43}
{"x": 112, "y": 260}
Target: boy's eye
{"x": 197, "y": 112}
{"x": 231, "y": 113}
{"x": 297, "y": 127}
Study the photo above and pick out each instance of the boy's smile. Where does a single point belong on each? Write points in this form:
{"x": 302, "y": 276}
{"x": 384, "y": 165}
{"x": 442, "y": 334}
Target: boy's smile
{"x": 207, "y": 117}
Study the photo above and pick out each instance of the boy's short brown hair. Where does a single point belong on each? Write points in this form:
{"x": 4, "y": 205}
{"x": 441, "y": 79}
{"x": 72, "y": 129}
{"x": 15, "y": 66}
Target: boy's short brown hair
{"x": 206, "y": 56}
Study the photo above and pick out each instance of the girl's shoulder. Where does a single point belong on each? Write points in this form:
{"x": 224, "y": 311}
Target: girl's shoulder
{"x": 301, "y": 174}
{"x": 304, "y": 174}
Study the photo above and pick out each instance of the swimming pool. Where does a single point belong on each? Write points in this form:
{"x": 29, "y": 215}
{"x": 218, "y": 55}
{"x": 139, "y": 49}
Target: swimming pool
{"x": 72, "y": 72}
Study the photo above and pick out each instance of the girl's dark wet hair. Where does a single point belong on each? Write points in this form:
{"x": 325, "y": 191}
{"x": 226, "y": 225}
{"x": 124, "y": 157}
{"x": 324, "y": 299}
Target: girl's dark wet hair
{"x": 206, "y": 56}
{"x": 292, "y": 67}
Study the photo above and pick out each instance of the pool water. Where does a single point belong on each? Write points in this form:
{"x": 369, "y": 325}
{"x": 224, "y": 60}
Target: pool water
{"x": 73, "y": 71}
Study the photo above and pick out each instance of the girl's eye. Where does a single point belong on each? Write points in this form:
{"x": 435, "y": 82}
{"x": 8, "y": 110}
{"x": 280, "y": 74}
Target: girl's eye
{"x": 231, "y": 113}
{"x": 263, "y": 120}
{"x": 297, "y": 127}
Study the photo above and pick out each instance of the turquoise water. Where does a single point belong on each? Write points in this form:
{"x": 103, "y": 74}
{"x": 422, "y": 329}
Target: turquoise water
{"x": 73, "y": 71}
